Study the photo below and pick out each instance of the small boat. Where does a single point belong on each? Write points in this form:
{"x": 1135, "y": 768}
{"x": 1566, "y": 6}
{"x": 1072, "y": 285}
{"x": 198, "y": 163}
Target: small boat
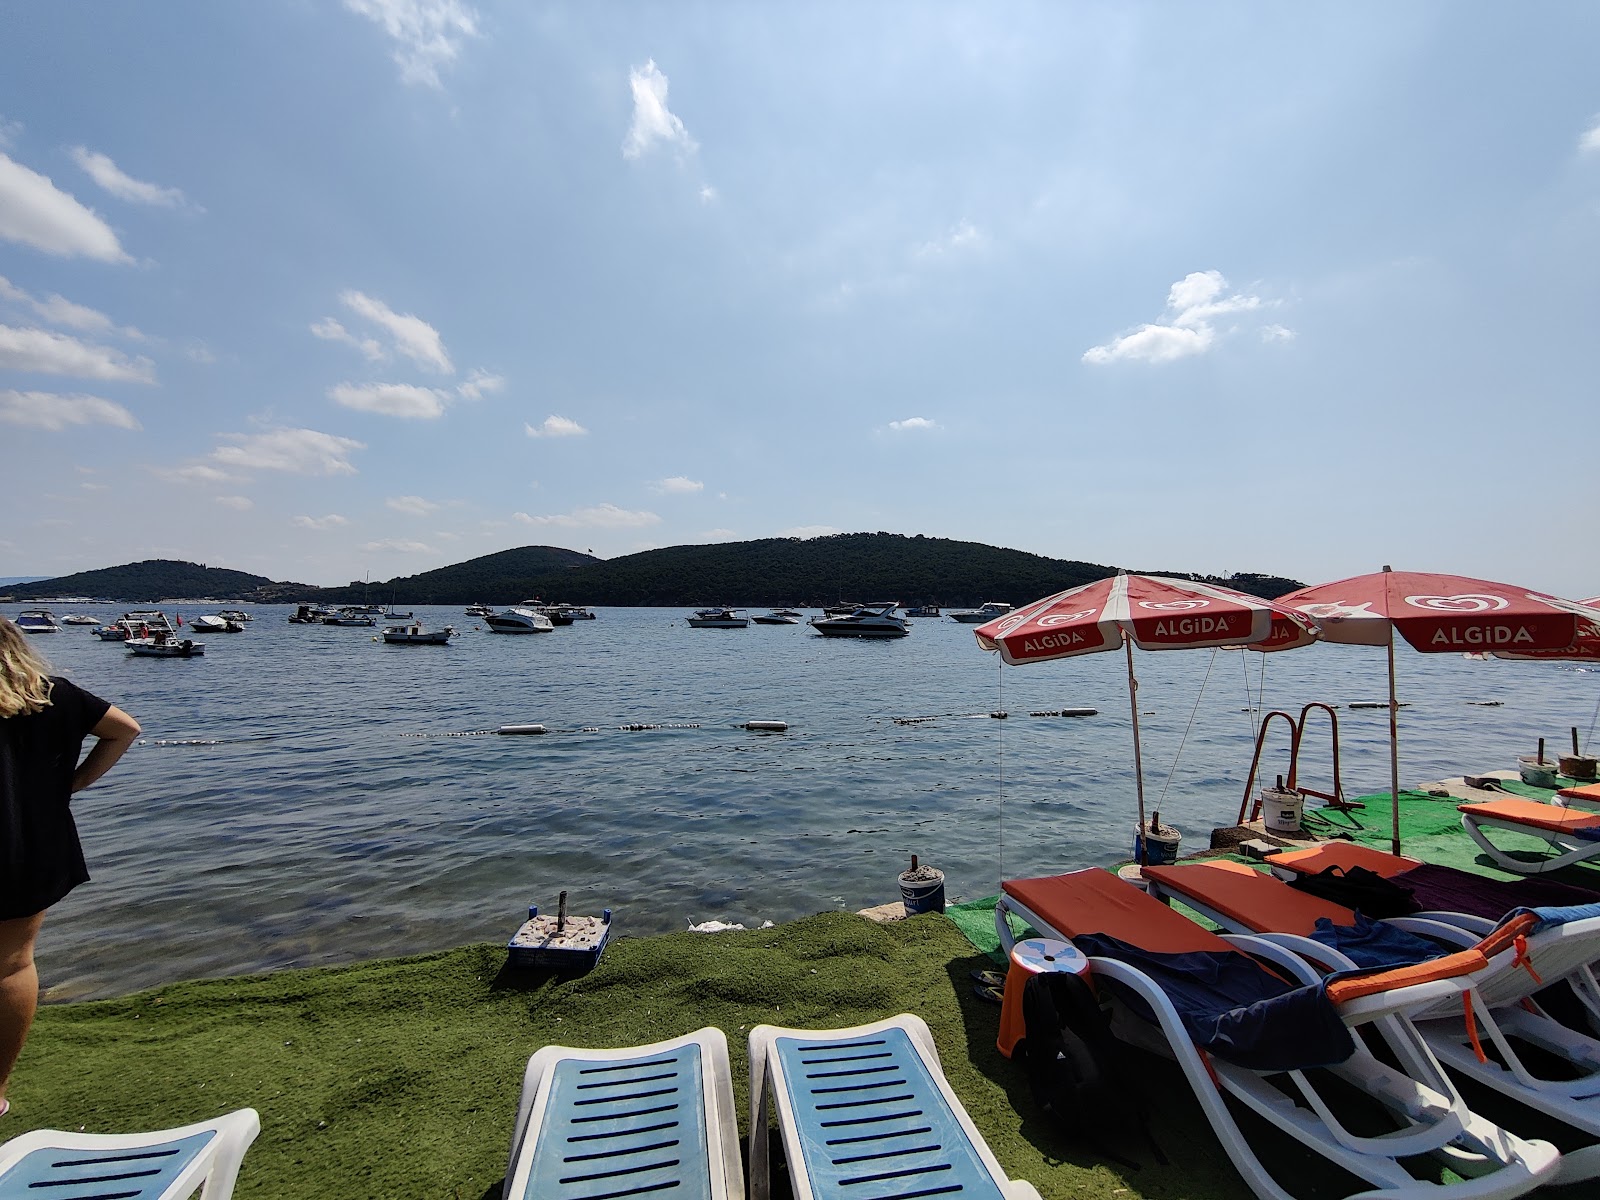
{"x": 416, "y": 635}
{"x": 518, "y": 620}
{"x": 37, "y": 620}
{"x": 310, "y": 614}
{"x": 79, "y": 619}
{"x": 391, "y": 615}
{"x": 234, "y": 614}
{"x": 557, "y": 613}
{"x": 216, "y": 624}
{"x": 165, "y": 647}
{"x": 866, "y": 622}
{"x": 923, "y": 610}
{"x": 778, "y": 616}
{"x": 977, "y": 616}
{"x": 718, "y": 618}
{"x": 479, "y": 610}
{"x": 140, "y": 623}
{"x": 577, "y": 612}
{"x": 356, "y": 615}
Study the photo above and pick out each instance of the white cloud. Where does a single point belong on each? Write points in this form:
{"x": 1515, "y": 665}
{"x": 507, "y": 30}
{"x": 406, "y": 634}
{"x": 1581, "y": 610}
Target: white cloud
{"x": 95, "y": 487}
{"x": 298, "y": 451}
{"x": 331, "y": 521}
{"x": 197, "y": 473}
{"x": 53, "y": 411}
{"x": 1193, "y": 303}
{"x": 58, "y": 354}
{"x": 428, "y": 33}
{"x": 412, "y": 336}
{"x": 402, "y": 400}
{"x": 912, "y": 424}
{"x": 398, "y": 546}
{"x": 239, "y": 503}
{"x": 678, "y": 485}
{"x": 108, "y": 175}
{"x": 329, "y": 330}
{"x": 35, "y": 212}
{"x": 601, "y": 516}
{"x": 8, "y": 132}
{"x": 652, "y": 121}
{"x": 478, "y": 383}
{"x": 963, "y": 236}
{"x": 806, "y": 532}
{"x": 1589, "y": 142}
{"x": 708, "y": 194}
{"x": 1276, "y": 333}
{"x": 58, "y": 310}
{"x": 415, "y": 505}
{"x": 554, "y": 426}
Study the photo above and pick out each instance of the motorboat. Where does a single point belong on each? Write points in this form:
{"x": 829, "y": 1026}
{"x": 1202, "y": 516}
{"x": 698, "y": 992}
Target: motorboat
{"x": 718, "y": 618}
{"x": 558, "y": 614}
{"x": 234, "y": 614}
{"x": 37, "y": 620}
{"x": 778, "y": 616}
{"x": 310, "y": 614}
{"x": 140, "y": 623}
{"x": 390, "y": 615}
{"x": 216, "y": 624}
{"x": 577, "y": 612}
{"x": 518, "y": 620}
{"x": 353, "y": 616}
{"x": 79, "y": 619}
{"x": 415, "y": 635}
{"x": 867, "y": 622}
{"x": 165, "y": 646}
{"x": 479, "y": 610}
{"x": 923, "y": 610}
{"x": 977, "y": 616}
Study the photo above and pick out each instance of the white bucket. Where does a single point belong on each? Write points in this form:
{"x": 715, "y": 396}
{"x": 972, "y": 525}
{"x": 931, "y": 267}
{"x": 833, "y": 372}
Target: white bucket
{"x": 1281, "y": 810}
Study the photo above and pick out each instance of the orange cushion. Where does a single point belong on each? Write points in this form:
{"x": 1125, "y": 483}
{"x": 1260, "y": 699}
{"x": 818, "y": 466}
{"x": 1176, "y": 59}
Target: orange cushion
{"x": 1252, "y": 899}
{"x": 1589, "y": 792}
{"x": 1537, "y": 815}
{"x": 1343, "y": 854}
{"x": 1096, "y": 901}
{"x": 1462, "y": 962}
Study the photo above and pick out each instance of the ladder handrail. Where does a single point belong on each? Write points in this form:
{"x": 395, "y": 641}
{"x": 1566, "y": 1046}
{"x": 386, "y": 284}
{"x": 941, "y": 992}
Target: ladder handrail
{"x": 1255, "y": 762}
{"x": 1336, "y": 799}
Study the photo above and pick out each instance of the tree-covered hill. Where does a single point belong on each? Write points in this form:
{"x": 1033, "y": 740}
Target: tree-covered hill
{"x": 864, "y": 567}
{"x": 152, "y": 579}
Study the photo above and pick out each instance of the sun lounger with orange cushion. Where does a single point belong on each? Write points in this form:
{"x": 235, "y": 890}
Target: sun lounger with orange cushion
{"x": 1575, "y": 834}
{"x": 1426, "y": 1114}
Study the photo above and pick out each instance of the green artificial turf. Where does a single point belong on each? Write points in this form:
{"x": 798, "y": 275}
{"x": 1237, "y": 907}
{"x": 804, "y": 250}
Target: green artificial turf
{"x": 399, "y": 1078}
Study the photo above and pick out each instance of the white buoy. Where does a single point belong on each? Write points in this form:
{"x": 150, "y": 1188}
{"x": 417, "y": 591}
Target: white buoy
{"x": 771, "y": 726}
{"x": 520, "y": 729}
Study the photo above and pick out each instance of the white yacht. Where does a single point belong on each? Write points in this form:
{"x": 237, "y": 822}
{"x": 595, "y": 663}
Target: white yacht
{"x": 518, "y": 620}
{"x": 874, "y": 622}
{"x": 718, "y": 618}
{"x": 977, "y": 616}
{"x": 37, "y": 620}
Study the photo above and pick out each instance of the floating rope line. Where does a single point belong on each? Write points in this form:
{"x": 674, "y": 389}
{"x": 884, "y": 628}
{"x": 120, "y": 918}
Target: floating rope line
{"x": 263, "y": 737}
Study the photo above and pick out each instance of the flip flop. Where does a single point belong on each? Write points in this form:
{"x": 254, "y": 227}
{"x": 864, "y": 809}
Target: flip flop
{"x": 5, "y": 1107}
{"x": 994, "y": 979}
{"x": 993, "y": 995}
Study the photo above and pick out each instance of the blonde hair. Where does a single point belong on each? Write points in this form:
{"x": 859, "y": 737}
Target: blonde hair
{"x": 24, "y": 674}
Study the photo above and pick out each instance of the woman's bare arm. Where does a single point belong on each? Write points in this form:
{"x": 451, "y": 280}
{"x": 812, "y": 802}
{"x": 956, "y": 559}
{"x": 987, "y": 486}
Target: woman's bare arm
{"x": 116, "y": 731}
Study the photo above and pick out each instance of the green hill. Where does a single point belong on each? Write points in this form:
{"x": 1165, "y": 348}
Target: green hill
{"x": 848, "y": 566}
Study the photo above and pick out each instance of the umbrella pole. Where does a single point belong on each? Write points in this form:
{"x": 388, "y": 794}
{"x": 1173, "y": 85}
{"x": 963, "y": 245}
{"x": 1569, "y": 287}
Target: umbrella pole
{"x": 1394, "y": 751}
{"x": 1138, "y": 761}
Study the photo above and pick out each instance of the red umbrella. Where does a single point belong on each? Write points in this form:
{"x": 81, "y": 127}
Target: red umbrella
{"x": 1440, "y": 614}
{"x": 1145, "y": 611}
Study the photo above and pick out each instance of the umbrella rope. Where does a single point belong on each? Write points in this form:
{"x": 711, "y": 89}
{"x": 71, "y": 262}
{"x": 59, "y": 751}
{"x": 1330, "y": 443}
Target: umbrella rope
{"x": 1187, "y": 728}
{"x": 1589, "y": 741}
{"x": 1253, "y": 708}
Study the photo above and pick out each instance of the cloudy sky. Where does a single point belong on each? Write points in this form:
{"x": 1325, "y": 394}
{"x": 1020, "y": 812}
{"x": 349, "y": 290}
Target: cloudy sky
{"x": 323, "y": 289}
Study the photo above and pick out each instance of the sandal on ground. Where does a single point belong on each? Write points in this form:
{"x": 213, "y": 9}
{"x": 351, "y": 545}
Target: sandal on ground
{"x": 5, "y": 1107}
{"x": 993, "y": 995}
{"x": 994, "y": 979}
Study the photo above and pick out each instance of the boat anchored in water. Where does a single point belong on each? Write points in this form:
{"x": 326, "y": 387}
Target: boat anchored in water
{"x": 718, "y": 618}
{"x": 163, "y": 645}
{"x": 518, "y": 620}
{"x": 977, "y": 616}
{"x": 779, "y": 616}
{"x": 415, "y": 635}
{"x": 140, "y": 623}
{"x": 37, "y": 620}
{"x": 878, "y": 621}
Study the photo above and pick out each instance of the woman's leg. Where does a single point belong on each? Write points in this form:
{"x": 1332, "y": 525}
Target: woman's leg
{"x": 19, "y": 989}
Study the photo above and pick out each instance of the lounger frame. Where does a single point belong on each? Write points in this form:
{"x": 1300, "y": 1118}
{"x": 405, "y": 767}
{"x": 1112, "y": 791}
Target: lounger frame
{"x": 646, "y": 1100}
{"x": 870, "y": 1139}
{"x": 1432, "y": 1116}
{"x": 167, "y": 1164}
{"x": 1570, "y": 849}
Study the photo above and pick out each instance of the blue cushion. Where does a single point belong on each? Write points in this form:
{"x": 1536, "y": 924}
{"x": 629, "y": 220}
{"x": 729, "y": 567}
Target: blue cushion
{"x": 51, "y": 1173}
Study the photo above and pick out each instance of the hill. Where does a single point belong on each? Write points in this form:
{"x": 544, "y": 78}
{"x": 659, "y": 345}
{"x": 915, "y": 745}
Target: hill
{"x": 152, "y": 579}
{"x": 815, "y": 571}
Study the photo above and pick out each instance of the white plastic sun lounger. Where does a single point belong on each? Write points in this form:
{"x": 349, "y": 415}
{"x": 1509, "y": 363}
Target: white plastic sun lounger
{"x": 866, "y": 1114}
{"x": 1518, "y": 964}
{"x": 169, "y": 1164}
{"x": 1574, "y": 833}
{"x": 634, "y": 1121}
{"x": 1428, "y": 1114}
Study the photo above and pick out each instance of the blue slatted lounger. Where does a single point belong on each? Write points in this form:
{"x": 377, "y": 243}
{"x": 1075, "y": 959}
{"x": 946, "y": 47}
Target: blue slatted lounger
{"x": 49, "y": 1164}
{"x": 867, "y": 1113}
{"x": 629, "y": 1123}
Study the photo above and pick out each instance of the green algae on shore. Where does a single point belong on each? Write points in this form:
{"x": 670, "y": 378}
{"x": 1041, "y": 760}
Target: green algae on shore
{"x": 399, "y": 1078}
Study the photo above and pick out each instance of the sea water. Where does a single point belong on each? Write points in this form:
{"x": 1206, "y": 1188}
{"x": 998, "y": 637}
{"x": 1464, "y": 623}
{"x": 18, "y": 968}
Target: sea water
{"x": 306, "y": 794}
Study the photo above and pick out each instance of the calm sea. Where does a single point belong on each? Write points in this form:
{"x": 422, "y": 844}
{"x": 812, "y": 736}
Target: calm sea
{"x": 306, "y": 795}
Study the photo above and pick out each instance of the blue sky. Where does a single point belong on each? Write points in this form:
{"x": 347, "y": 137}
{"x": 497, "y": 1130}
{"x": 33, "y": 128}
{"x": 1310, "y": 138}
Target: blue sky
{"x": 322, "y": 290}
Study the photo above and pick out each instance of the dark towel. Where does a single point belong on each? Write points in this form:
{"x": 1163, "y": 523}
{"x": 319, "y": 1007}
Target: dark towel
{"x": 1233, "y": 1007}
{"x": 1371, "y": 943}
{"x": 1448, "y": 889}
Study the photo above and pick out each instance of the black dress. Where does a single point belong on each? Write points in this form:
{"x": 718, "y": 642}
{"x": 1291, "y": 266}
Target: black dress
{"x": 40, "y": 857}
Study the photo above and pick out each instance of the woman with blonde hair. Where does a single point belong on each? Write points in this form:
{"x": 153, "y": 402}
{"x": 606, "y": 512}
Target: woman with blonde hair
{"x": 44, "y": 720}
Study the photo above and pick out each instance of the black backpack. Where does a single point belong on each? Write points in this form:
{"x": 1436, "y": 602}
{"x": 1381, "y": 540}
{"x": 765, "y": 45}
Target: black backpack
{"x": 1359, "y": 889}
{"x": 1078, "y": 1072}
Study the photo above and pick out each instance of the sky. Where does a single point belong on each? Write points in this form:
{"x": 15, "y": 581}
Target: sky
{"x": 334, "y": 289}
